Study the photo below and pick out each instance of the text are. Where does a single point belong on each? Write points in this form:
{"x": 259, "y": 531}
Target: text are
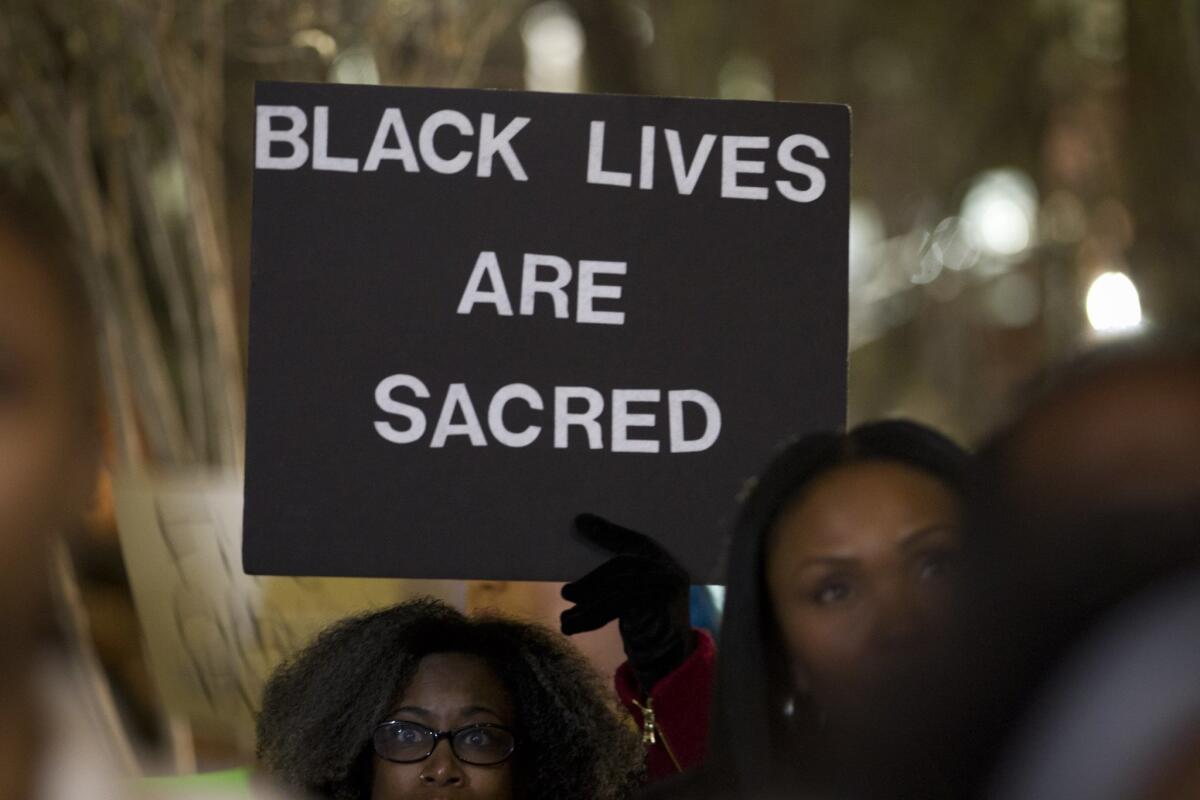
{"x": 548, "y": 276}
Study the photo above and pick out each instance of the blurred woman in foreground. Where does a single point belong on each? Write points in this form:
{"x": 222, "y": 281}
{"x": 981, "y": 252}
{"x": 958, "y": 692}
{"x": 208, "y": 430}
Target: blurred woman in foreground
{"x": 49, "y": 456}
{"x": 1081, "y": 592}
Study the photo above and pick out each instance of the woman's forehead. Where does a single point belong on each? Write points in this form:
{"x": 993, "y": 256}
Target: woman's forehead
{"x": 857, "y": 498}
{"x": 456, "y": 680}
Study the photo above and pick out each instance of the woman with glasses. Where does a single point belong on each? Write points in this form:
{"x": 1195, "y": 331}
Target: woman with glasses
{"x": 419, "y": 700}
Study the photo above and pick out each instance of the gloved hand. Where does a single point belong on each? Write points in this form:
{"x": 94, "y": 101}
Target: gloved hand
{"x": 644, "y": 588}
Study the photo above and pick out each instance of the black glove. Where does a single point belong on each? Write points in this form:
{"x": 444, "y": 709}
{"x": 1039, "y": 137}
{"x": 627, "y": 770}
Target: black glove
{"x": 644, "y": 588}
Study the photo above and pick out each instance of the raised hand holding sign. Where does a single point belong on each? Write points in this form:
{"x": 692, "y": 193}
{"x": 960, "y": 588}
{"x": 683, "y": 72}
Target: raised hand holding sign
{"x": 644, "y": 588}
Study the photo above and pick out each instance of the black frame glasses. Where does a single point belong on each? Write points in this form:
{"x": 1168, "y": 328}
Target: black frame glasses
{"x": 455, "y": 737}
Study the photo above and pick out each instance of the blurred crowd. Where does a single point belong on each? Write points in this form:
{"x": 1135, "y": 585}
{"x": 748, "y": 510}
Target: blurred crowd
{"x": 903, "y": 619}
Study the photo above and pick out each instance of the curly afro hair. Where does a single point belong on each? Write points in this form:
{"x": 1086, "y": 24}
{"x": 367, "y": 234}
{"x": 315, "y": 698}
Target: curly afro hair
{"x": 319, "y": 709}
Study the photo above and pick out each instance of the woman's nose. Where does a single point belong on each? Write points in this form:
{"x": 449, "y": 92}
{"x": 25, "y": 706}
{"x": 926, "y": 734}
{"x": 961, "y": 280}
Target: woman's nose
{"x": 442, "y": 768}
{"x": 899, "y": 619}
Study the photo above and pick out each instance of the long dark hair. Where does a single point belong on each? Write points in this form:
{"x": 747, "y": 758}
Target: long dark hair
{"x": 750, "y": 736}
{"x": 319, "y": 709}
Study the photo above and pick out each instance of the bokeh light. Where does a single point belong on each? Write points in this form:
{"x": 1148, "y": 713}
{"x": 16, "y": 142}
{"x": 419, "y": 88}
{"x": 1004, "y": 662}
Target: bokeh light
{"x": 953, "y": 244}
{"x": 1000, "y": 209}
{"x": 745, "y": 77}
{"x": 1113, "y": 304}
{"x": 866, "y": 234}
{"x": 554, "y": 42}
{"x": 355, "y": 65}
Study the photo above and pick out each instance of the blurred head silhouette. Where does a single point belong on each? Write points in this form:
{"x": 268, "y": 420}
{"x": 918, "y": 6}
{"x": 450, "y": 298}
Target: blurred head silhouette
{"x": 48, "y": 406}
{"x": 1093, "y": 492}
{"x": 1087, "y": 499}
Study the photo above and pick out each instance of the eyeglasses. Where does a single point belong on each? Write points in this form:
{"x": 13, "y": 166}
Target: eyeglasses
{"x": 483, "y": 744}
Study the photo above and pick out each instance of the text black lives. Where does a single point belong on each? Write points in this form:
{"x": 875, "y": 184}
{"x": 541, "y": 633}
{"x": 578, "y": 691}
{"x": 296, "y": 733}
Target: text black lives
{"x": 282, "y": 144}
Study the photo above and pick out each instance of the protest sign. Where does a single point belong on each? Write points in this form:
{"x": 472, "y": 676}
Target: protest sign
{"x": 213, "y": 635}
{"x": 475, "y": 314}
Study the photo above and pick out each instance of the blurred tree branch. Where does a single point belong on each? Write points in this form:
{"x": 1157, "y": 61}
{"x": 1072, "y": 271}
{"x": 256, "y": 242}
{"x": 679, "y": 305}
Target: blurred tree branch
{"x": 106, "y": 97}
{"x": 121, "y": 106}
{"x": 618, "y": 65}
{"x": 1164, "y": 156}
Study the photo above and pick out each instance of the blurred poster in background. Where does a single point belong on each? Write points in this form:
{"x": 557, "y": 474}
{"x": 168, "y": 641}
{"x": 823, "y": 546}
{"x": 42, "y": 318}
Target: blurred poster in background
{"x": 212, "y": 633}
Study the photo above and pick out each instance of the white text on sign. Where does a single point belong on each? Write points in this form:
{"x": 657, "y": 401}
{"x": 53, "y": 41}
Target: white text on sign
{"x": 281, "y": 145}
{"x": 549, "y": 276}
{"x": 579, "y": 408}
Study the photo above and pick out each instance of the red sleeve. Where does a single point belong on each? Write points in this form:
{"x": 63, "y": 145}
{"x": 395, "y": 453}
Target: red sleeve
{"x": 680, "y": 709}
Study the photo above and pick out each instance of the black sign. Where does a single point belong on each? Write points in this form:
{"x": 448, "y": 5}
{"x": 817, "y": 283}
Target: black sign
{"x": 475, "y": 314}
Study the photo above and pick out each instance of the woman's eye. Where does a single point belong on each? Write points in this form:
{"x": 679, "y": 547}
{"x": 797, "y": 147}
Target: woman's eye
{"x": 831, "y": 592}
{"x": 932, "y": 566}
{"x": 406, "y": 735}
{"x": 477, "y": 738}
